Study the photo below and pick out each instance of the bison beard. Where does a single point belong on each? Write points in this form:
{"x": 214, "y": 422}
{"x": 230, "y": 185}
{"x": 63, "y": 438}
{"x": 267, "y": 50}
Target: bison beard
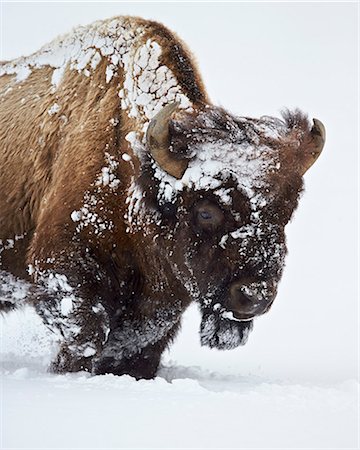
{"x": 223, "y": 334}
{"x": 126, "y": 196}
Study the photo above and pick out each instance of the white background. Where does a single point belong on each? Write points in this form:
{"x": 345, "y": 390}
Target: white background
{"x": 256, "y": 59}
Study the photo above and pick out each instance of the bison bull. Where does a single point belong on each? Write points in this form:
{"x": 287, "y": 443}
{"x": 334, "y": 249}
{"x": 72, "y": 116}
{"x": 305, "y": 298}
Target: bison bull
{"x": 126, "y": 195}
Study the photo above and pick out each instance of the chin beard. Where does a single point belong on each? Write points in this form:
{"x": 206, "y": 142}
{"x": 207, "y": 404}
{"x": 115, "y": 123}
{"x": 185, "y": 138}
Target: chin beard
{"x": 223, "y": 333}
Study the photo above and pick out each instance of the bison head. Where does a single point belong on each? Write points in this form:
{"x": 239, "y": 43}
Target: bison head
{"x": 224, "y": 189}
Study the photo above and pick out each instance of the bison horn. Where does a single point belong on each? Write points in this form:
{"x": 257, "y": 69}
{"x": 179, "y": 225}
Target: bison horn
{"x": 318, "y": 135}
{"x": 158, "y": 142}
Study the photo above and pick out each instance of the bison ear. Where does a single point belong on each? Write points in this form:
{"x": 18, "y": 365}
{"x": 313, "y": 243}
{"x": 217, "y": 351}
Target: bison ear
{"x": 314, "y": 147}
{"x": 158, "y": 142}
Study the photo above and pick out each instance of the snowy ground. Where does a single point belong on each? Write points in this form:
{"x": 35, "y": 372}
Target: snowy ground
{"x": 294, "y": 383}
{"x": 184, "y": 407}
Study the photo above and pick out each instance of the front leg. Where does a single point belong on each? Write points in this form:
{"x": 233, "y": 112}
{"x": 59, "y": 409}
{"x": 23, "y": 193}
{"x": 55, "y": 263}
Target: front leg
{"x": 136, "y": 345}
{"x": 73, "y": 306}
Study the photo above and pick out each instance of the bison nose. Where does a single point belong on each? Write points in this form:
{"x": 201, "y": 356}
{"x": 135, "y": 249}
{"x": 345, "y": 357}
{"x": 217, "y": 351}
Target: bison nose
{"x": 246, "y": 301}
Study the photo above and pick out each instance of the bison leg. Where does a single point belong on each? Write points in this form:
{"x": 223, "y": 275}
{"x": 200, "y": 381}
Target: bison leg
{"x": 83, "y": 337}
{"x": 71, "y": 305}
{"x": 13, "y": 291}
{"x": 136, "y": 347}
{"x": 81, "y": 326}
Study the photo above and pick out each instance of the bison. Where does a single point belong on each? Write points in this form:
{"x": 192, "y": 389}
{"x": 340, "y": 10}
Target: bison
{"x": 126, "y": 195}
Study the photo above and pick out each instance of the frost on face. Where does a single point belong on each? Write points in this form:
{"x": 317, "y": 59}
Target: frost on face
{"x": 232, "y": 165}
{"x": 223, "y": 151}
{"x": 216, "y": 163}
{"x": 224, "y": 195}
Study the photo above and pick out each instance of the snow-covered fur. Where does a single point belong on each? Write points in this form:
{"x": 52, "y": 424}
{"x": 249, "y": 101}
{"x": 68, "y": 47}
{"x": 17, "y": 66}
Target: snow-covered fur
{"x": 116, "y": 246}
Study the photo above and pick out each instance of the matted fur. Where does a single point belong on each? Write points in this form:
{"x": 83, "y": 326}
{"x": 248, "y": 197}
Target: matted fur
{"x": 84, "y": 214}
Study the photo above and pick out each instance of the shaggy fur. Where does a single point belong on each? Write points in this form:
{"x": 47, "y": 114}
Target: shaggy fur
{"x": 114, "y": 287}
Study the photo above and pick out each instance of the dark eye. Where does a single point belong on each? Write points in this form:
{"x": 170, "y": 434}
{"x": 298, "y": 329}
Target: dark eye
{"x": 208, "y": 216}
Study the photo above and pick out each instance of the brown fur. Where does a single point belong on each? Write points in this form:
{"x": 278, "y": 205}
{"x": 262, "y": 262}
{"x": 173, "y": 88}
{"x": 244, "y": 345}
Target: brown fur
{"x": 36, "y": 173}
{"x": 122, "y": 282}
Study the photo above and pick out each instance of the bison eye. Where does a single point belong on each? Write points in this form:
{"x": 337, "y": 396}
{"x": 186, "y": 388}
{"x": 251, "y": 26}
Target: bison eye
{"x": 208, "y": 216}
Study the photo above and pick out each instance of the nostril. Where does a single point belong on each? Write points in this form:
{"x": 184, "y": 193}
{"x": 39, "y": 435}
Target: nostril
{"x": 248, "y": 298}
{"x": 240, "y": 301}
{"x": 235, "y": 291}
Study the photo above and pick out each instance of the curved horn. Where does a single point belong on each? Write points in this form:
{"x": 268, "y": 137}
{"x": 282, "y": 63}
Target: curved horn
{"x": 158, "y": 142}
{"x": 318, "y": 135}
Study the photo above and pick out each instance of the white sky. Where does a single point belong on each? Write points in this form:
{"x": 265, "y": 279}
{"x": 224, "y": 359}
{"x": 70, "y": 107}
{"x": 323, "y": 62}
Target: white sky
{"x": 256, "y": 59}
